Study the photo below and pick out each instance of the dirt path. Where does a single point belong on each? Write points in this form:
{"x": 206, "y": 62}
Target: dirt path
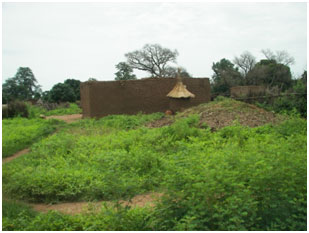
{"x": 67, "y": 118}
{"x": 16, "y": 155}
{"x": 82, "y": 207}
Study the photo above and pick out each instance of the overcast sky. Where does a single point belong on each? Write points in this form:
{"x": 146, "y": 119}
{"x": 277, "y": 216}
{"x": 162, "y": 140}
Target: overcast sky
{"x": 81, "y": 40}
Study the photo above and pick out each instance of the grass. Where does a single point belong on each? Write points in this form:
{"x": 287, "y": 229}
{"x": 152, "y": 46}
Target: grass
{"x": 19, "y": 133}
{"x": 19, "y": 217}
{"x": 36, "y": 111}
{"x": 237, "y": 178}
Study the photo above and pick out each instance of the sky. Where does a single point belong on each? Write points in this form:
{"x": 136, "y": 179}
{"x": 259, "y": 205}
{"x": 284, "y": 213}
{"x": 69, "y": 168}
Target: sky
{"x": 82, "y": 40}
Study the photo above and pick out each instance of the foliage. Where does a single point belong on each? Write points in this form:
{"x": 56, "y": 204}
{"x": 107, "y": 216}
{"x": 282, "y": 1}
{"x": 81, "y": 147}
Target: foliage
{"x": 18, "y": 217}
{"x": 242, "y": 179}
{"x": 225, "y": 76}
{"x": 274, "y": 71}
{"x": 152, "y": 58}
{"x": 46, "y": 96}
{"x": 62, "y": 92}
{"x": 36, "y": 111}
{"x": 75, "y": 85}
{"x": 270, "y": 73}
{"x": 19, "y": 133}
{"x": 124, "y": 72}
{"x": 15, "y": 216}
{"x": 23, "y": 86}
{"x": 290, "y": 103}
{"x": 236, "y": 178}
{"x": 14, "y": 109}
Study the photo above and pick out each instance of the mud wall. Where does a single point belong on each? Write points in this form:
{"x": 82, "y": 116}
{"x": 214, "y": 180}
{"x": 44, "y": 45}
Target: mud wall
{"x": 247, "y": 91}
{"x": 103, "y": 98}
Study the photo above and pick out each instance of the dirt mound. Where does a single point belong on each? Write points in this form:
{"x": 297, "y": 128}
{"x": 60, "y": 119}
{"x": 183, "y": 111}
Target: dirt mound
{"x": 218, "y": 114}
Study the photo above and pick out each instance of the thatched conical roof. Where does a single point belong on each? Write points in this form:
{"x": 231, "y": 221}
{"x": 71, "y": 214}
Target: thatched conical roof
{"x": 180, "y": 90}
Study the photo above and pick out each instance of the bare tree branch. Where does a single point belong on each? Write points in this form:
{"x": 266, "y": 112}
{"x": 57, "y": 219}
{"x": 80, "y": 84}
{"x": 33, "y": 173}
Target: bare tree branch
{"x": 152, "y": 58}
{"x": 246, "y": 61}
{"x": 281, "y": 56}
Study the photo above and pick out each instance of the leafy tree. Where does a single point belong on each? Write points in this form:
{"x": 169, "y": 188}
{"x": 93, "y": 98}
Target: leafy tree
{"x": 23, "y": 86}
{"x": 153, "y": 58}
{"x": 124, "y": 72}
{"x": 225, "y": 76}
{"x": 75, "y": 85}
{"x": 270, "y": 73}
{"x": 62, "y": 92}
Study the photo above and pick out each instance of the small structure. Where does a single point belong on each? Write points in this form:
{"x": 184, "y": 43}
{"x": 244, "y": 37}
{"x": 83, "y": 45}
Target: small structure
{"x": 180, "y": 90}
{"x": 179, "y": 95}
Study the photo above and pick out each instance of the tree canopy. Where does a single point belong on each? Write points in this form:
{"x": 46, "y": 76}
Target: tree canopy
{"x": 62, "y": 92}
{"x": 152, "y": 58}
{"x": 270, "y": 73}
{"x": 23, "y": 86}
{"x": 75, "y": 85}
{"x": 125, "y": 72}
{"x": 225, "y": 76}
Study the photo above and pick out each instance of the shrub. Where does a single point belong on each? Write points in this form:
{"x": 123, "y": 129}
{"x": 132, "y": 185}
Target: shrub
{"x": 14, "y": 109}
{"x": 71, "y": 108}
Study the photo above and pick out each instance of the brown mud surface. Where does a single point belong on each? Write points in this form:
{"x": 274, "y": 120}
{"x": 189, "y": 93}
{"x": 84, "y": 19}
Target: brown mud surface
{"x": 84, "y": 207}
{"x": 66, "y": 118}
{"x": 16, "y": 155}
{"x": 220, "y": 114}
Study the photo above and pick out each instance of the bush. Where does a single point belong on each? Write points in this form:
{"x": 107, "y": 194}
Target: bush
{"x": 290, "y": 104}
{"x": 14, "y": 109}
{"x": 71, "y": 108}
{"x": 259, "y": 184}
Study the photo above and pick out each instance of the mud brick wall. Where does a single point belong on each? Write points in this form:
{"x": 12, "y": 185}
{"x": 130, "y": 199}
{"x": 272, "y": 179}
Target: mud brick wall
{"x": 247, "y": 91}
{"x": 104, "y": 98}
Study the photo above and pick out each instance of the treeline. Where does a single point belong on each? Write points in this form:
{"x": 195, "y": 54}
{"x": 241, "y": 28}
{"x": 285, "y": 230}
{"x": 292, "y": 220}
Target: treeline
{"x": 25, "y": 87}
{"x": 272, "y": 72}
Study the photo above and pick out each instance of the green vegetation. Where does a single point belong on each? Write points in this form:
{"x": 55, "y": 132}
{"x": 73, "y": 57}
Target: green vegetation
{"x": 236, "y": 178}
{"x": 18, "y": 133}
{"x": 36, "y": 111}
{"x": 291, "y": 104}
{"x": 17, "y": 217}
{"x": 23, "y": 86}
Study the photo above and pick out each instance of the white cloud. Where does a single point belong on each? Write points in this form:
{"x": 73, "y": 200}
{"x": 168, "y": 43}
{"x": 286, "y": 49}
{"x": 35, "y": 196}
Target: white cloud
{"x": 82, "y": 40}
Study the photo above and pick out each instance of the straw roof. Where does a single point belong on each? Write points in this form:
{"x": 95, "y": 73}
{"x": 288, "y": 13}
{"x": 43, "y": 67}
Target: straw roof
{"x": 180, "y": 91}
